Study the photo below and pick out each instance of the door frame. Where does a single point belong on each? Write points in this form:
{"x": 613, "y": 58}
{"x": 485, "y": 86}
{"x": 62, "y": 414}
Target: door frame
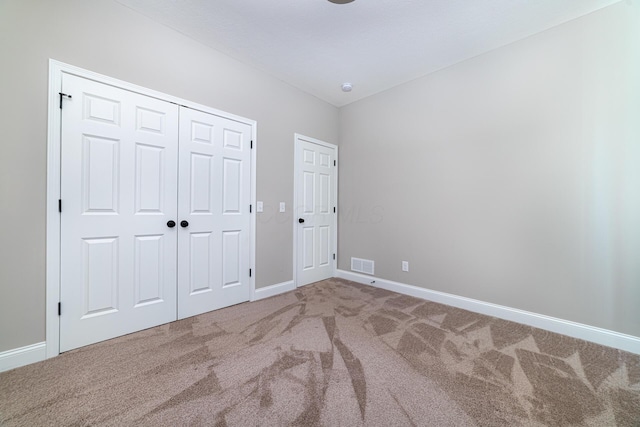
{"x": 54, "y": 145}
{"x": 297, "y": 165}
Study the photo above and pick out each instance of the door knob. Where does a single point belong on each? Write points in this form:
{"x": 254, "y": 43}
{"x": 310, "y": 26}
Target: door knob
{"x": 184, "y": 223}
{"x": 300, "y": 220}
{"x": 171, "y": 224}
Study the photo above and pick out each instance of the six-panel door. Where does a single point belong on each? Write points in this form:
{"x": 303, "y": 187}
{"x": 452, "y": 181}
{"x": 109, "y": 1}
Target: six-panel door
{"x": 214, "y": 200}
{"x": 118, "y": 187}
{"x": 316, "y": 201}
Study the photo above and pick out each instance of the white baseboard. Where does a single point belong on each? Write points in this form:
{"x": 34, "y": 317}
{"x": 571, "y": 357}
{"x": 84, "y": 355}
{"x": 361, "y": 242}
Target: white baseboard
{"x": 269, "y": 291}
{"x": 33, "y": 353}
{"x": 22, "y": 356}
{"x": 565, "y": 327}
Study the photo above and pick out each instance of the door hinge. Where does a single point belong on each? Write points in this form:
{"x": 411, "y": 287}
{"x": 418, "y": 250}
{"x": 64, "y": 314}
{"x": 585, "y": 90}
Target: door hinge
{"x": 250, "y": 207}
{"x": 252, "y": 144}
{"x": 63, "y": 95}
{"x": 249, "y": 272}
{"x": 59, "y": 205}
{"x": 59, "y": 308}
{"x": 334, "y": 209}
{"x": 334, "y": 256}
{"x": 335, "y": 163}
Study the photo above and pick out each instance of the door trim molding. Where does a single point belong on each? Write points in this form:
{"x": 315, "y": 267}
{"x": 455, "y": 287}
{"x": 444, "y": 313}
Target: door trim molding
{"x": 296, "y": 166}
{"x": 52, "y": 269}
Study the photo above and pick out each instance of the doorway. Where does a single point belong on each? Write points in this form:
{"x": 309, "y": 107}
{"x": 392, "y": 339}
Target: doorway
{"x": 315, "y": 214}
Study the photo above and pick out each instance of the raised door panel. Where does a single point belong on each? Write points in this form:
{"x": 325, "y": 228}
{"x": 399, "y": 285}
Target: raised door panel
{"x": 231, "y": 257}
{"x": 324, "y": 245}
{"x": 231, "y": 186}
{"x": 324, "y": 194}
{"x": 308, "y": 248}
{"x": 101, "y": 109}
{"x": 100, "y": 174}
{"x": 148, "y": 271}
{"x": 149, "y": 176}
{"x": 308, "y": 192}
{"x": 99, "y": 276}
{"x": 200, "y": 264}
{"x": 201, "y": 184}
{"x": 152, "y": 121}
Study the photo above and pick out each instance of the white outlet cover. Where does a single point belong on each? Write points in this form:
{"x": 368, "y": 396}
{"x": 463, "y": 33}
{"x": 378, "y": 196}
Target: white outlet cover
{"x": 405, "y": 265}
{"x": 282, "y": 207}
{"x": 260, "y": 206}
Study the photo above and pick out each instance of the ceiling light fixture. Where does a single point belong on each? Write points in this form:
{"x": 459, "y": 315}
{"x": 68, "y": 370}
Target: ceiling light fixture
{"x": 346, "y": 87}
{"x": 340, "y": 1}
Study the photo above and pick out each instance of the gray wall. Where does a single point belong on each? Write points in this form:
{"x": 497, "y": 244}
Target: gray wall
{"x": 108, "y": 38}
{"x": 511, "y": 178}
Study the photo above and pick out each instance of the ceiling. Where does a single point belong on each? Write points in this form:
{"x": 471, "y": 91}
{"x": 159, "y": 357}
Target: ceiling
{"x": 316, "y": 45}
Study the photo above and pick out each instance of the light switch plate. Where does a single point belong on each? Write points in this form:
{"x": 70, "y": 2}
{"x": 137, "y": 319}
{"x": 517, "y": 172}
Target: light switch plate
{"x": 260, "y": 206}
{"x": 405, "y": 265}
{"x": 282, "y": 206}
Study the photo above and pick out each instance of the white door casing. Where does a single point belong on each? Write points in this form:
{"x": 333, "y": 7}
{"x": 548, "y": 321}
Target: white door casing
{"x": 118, "y": 184}
{"x": 214, "y": 198}
{"x": 111, "y": 253}
{"x": 315, "y": 220}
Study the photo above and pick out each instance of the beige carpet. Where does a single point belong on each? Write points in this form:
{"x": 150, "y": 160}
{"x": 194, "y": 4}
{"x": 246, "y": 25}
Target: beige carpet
{"x": 334, "y": 353}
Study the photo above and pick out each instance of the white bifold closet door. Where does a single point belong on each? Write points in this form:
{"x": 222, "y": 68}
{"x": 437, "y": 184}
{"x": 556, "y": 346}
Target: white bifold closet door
{"x": 141, "y": 243}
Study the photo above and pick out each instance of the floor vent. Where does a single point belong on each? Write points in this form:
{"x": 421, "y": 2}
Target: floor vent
{"x": 365, "y": 266}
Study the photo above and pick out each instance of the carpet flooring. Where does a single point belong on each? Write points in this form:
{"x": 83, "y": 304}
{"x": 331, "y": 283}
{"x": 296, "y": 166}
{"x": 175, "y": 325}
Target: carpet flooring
{"x": 334, "y": 353}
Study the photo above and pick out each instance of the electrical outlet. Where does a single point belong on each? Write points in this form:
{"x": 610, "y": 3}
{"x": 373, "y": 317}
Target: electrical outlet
{"x": 282, "y": 207}
{"x": 405, "y": 265}
{"x": 260, "y": 207}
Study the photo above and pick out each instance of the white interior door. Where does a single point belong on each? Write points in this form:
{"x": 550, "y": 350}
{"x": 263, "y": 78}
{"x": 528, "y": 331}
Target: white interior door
{"x": 315, "y": 222}
{"x": 119, "y": 190}
{"x": 215, "y": 220}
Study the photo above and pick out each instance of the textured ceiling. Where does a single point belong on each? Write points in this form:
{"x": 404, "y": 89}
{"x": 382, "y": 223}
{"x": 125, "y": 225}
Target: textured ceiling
{"x": 316, "y": 45}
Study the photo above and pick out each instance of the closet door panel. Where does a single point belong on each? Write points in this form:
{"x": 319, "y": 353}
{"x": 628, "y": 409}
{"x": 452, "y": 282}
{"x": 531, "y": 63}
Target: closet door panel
{"x": 214, "y": 199}
{"x": 118, "y": 191}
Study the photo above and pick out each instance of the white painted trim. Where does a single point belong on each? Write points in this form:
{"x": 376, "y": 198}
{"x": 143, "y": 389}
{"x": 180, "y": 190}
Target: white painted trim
{"x": 52, "y": 268}
{"x": 22, "y": 356}
{"x": 565, "y": 327}
{"x": 52, "y": 278}
{"x": 277, "y": 289}
{"x": 254, "y": 211}
{"x": 296, "y": 167}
